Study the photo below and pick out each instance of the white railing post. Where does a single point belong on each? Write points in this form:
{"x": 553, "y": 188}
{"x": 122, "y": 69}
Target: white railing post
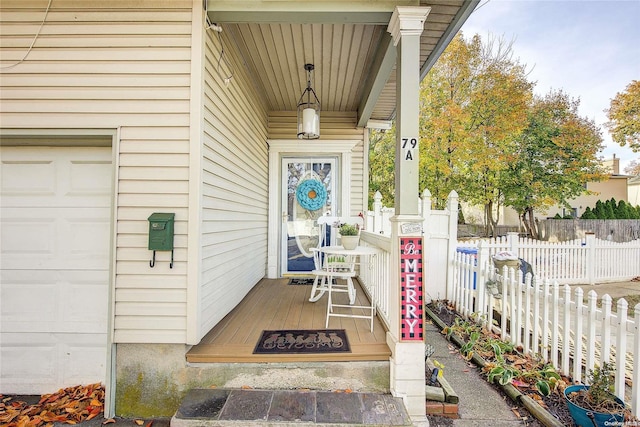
{"x": 566, "y": 331}
{"x": 514, "y": 242}
{"x": 482, "y": 261}
{"x": 555, "y": 323}
{"x": 425, "y": 203}
{"x": 452, "y": 209}
{"x": 606, "y": 329}
{"x": 577, "y": 344}
{"x": 592, "y": 299}
{"x": 635, "y": 395}
{"x": 621, "y": 347}
{"x": 377, "y": 212}
{"x": 544, "y": 347}
{"x": 386, "y": 220}
{"x": 528, "y": 329}
{"x": 590, "y": 247}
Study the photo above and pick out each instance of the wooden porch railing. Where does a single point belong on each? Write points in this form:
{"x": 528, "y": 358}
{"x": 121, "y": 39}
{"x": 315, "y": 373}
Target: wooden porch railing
{"x": 374, "y": 275}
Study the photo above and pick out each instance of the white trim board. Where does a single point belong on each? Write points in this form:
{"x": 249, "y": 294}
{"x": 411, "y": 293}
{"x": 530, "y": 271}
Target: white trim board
{"x": 292, "y": 147}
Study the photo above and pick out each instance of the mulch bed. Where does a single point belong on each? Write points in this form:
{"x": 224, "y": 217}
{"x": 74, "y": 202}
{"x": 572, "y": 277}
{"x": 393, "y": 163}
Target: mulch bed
{"x": 554, "y": 403}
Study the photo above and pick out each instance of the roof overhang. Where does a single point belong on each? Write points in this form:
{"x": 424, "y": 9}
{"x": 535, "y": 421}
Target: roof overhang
{"x": 258, "y": 24}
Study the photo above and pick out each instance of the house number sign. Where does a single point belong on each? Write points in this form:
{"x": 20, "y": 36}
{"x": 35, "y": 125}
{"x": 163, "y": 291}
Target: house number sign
{"x": 409, "y": 148}
{"x": 411, "y": 289}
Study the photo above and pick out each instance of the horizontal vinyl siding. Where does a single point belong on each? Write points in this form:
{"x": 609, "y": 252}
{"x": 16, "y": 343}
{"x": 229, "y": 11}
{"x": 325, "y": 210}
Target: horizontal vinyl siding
{"x": 235, "y": 185}
{"x": 126, "y": 65}
{"x": 334, "y": 126}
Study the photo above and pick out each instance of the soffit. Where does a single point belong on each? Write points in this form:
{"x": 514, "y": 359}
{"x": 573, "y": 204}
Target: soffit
{"x": 346, "y": 42}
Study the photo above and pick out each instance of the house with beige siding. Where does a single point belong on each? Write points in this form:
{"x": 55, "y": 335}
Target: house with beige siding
{"x": 615, "y": 185}
{"x": 113, "y": 111}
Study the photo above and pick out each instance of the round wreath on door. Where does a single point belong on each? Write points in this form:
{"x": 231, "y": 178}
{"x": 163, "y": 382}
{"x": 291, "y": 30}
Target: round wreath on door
{"x": 311, "y": 194}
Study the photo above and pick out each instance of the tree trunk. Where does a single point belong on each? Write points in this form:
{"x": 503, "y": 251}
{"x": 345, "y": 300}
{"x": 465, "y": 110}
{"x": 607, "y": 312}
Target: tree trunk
{"x": 491, "y": 223}
{"x": 529, "y": 223}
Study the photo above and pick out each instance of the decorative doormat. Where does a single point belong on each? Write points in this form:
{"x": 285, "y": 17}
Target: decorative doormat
{"x": 303, "y": 341}
{"x": 301, "y": 281}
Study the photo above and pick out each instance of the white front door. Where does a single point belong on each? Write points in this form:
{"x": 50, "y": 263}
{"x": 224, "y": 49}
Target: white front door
{"x": 54, "y": 266}
{"x": 308, "y": 192}
{"x": 282, "y": 152}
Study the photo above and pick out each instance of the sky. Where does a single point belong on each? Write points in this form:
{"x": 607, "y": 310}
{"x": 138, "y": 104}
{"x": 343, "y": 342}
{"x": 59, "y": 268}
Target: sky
{"x": 589, "y": 49}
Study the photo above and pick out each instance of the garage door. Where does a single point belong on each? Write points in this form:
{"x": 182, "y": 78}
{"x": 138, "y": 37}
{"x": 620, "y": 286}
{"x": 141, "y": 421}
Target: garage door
{"x": 54, "y": 267}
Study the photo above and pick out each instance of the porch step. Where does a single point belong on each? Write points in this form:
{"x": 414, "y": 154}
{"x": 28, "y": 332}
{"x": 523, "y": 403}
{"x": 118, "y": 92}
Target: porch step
{"x": 285, "y": 408}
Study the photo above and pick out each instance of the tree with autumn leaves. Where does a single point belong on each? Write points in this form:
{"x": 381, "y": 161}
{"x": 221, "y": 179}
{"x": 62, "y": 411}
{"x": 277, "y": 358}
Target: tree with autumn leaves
{"x": 555, "y": 155}
{"x": 484, "y": 134}
{"x": 624, "y": 117}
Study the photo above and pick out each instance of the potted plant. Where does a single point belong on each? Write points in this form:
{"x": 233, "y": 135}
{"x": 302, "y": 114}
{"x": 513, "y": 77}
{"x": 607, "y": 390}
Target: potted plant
{"x": 349, "y": 235}
{"x": 595, "y": 404}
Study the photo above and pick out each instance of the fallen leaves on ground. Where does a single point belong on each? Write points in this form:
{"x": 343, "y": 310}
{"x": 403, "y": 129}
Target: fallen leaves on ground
{"x": 70, "y": 405}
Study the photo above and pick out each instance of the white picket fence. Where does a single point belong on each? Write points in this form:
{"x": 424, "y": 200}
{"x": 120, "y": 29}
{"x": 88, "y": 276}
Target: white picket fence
{"x": 581, "y": 261}
{"x": 539, "y": 314}
{"x": 553, "y": 321}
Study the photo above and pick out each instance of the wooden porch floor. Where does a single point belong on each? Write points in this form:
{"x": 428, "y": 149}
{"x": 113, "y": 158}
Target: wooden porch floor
{"x": 273, "y": 304}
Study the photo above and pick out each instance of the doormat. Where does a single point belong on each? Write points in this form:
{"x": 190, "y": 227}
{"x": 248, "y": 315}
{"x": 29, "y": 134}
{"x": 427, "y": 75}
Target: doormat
{"x": 301, "y": 281}
{"x": 303, "y": 341}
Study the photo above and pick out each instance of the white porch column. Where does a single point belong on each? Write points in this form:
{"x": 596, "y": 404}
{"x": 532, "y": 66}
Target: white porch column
{"x": 405, "y": 338}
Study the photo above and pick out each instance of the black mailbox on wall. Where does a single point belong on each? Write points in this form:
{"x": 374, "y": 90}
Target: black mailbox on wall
{"x": 161, "y": 234}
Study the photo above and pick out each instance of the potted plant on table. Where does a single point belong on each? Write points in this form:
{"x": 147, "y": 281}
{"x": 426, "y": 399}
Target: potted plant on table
{"x": 595, "y": 404}
{"x": 349, "y": 235}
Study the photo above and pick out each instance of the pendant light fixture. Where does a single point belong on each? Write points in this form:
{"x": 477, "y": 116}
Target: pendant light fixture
{"x": 308, "y": 110}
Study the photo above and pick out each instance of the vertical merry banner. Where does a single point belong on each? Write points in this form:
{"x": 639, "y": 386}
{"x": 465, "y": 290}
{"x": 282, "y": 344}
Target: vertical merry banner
{"x": 411, "y": 289}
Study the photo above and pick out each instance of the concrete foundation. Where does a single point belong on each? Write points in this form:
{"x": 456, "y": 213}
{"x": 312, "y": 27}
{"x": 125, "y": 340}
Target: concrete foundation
{"x": 152, "y": 379}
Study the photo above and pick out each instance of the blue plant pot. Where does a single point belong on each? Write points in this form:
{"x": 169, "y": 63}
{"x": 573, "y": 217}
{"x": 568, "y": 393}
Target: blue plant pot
{"x": 581, "y": 418}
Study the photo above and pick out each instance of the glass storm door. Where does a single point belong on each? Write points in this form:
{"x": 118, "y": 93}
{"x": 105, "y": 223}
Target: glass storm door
{"x": 309, "y": 191}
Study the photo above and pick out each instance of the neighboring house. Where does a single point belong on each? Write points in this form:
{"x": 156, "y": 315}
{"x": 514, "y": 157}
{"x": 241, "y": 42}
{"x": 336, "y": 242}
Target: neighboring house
{"x": 620, "y": 187}
{"x": 634, "y": 190}
{"x": 614, "y": 186}
{"x": 118, "y": 112}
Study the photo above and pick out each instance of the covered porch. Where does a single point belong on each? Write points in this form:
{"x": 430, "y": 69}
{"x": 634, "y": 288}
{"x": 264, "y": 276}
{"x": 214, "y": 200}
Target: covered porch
{"x": 274, "y": 304}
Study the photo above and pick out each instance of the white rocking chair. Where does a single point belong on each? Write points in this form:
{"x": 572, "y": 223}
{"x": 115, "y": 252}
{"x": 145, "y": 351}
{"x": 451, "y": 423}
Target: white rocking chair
{"x": 321, "y": 262}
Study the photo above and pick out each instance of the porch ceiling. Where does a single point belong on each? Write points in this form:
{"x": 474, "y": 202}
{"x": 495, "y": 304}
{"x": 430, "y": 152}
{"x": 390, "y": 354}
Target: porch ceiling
{"x": 347, "y": 41}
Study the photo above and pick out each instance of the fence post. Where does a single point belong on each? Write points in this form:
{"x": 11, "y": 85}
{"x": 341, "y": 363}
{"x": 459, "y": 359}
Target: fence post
{"x": 482, "y": 274}
{"x": 514, "y": 242}
{"x": 590, "y": 247}
{"x": 426, "y": 211}
{"x": 635, "y": 396}
{"x": 452, "y": 209}
{"x": 483, "y": 254}
{"x": 377, "y": 212}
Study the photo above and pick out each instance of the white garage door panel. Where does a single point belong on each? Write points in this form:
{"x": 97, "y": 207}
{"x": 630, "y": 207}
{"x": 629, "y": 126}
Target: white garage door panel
{"x": 56, "y": 177}
{"x": 54, "y": 238}
{"x": 53, "y": 301}
{"x": 54, "y": 266}
{"x": 52, "y": 361}
{"x": 27, "y": 367}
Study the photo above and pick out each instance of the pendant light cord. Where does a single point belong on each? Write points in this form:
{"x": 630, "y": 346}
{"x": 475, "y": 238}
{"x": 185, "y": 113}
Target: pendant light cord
{"x": 33, "y": 42}
{"x": 223, "y": 58}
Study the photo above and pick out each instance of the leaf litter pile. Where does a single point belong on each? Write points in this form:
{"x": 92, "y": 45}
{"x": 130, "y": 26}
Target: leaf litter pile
{"x": 70, "y": 405}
